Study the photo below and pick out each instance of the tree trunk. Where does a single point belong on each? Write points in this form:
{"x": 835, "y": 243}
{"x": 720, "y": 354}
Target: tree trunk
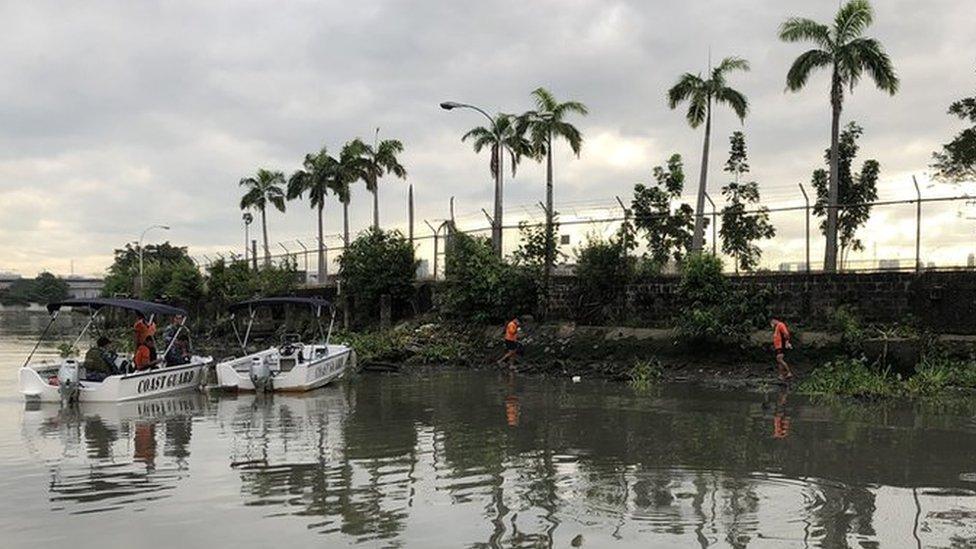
{"x": 345, "y": 226}
{"x": 497, "y": 219}
{"x": 264, "y": 230}
{"x": 698, "y": 240}
{"x": 376, "y": 205}
{"x": 830, "y": 252}
{"x": 547, "y": 271}
{"x": 321, "y": 275}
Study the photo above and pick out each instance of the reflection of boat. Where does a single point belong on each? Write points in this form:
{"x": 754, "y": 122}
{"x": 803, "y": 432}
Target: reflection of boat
{"x": 52, "y": 382}
{"x": 104, "y": 456}
{"x": 291, "y": 366}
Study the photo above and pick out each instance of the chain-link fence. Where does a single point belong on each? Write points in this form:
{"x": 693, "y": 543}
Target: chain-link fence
{"x": 902, "y": 233}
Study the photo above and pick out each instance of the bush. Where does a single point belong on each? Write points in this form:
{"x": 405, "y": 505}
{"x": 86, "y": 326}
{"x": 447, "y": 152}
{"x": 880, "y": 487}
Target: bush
{"x": 44, "y": 289}
{"x": 603, "y": 271}
{"x": 480, "y": 286}
{"x": 377, "y": 263}
{"x": 845, "y": 321}
{"x": 644, "y": 373}
{"x": 713, "y": 311}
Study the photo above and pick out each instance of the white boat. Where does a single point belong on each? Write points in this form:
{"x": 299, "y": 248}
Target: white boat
{"x": 291, "y": 366}
{"x": 65, "y": 380}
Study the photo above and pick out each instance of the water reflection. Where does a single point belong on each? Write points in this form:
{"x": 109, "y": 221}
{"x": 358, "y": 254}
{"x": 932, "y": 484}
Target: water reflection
{"x": 103, "y": 456}
{"x": 475, "y": 460}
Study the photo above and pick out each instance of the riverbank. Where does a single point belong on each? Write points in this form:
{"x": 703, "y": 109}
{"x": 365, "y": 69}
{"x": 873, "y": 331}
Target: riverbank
{"x": 823, "y": 361}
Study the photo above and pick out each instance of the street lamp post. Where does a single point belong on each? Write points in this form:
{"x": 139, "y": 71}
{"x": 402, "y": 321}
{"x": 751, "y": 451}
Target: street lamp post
{"x": 496, "y": 224}
{"x": 141, "y": 236}
{"x": 248, "y": 219}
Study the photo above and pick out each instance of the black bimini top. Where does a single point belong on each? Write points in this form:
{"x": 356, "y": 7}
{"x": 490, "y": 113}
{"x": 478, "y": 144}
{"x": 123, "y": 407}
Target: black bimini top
{"x": 146, "y": 308}
{"x": 315, "y": 303}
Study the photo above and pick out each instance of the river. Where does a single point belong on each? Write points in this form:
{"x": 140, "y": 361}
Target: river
{"x": 475, "y": 459}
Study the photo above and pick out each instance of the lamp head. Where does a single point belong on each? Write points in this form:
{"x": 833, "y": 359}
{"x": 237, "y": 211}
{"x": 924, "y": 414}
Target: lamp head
{"x": 449, "y": 105}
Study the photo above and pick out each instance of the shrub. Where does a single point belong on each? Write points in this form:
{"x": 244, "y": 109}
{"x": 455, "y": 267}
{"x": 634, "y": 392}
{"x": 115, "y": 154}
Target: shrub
{"x": 480, "y": 286}
{"x": 713, "y": 311}
{"x": 603, "y": 271}
{"x": 644, "y": 373}
{"x": 378, "y": 263}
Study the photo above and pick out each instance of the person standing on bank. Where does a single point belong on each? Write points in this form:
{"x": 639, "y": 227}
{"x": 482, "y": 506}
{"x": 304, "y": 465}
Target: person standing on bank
{"x": 512, "y": 346}
{"x": 781, "y": 344}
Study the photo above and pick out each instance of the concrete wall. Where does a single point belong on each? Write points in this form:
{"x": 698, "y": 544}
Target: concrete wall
{"x": 944, "y": 301}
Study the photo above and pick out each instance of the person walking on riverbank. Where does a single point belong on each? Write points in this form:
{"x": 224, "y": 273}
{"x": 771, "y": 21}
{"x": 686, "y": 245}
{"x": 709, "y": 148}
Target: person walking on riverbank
{"x": 512, "y": 346}
{"x": 781, "y": 344}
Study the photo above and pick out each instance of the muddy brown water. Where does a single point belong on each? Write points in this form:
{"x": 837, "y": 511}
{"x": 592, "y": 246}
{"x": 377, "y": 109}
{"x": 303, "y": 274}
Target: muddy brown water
{"x": 476, "y": 459}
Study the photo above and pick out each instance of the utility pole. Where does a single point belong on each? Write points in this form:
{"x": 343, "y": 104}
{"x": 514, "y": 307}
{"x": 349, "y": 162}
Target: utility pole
{"x": 410, "y": 213}
{"x": 807, "y": 209}
{"x": 918, "y": 226}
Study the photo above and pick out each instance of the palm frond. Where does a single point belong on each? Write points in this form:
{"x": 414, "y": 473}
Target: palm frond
{"x": 687, "y": 86}
{"x": 728, "y": 65}
{"x": 852, "y": 19}
{"x": 697, "y": 110}
{"x": 799, "y": 29}
{"x": 873, "y": 59}
{"x": 800, "y": 71}
{"x": 734, "y": 99}
{"x": 298, "y": 183}
{"x": 545, "y": 101}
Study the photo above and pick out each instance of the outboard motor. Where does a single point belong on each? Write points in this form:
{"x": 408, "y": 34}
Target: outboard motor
{"x": 261, "y": 376}
{"x": 68, "y": 381}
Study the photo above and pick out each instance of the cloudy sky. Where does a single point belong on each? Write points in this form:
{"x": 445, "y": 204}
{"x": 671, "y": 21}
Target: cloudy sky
{"x": 118, "y": 115}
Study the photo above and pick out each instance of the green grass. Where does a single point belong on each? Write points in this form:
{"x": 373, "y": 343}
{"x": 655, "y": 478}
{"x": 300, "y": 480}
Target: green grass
{"x": 855, "y": 378}
{"x": 645, "y": 373}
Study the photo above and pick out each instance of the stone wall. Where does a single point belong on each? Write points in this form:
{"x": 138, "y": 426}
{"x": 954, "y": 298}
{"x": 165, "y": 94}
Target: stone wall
{"x": 943, "y": 301}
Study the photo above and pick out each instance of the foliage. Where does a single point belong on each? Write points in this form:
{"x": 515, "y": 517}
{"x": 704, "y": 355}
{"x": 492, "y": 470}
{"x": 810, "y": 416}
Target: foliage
{"x": 741, "y": 229}
{"x": 378, "y": 263}
{"x": 169, "y": 272}
{"x": 845, "y": 321}
{"x": 644, "y": 373}
{"x": 701, "y": 93}
{"x": 531, "y": 251}
{"x": 842, "y": 48}
{"x": 508, "y": 139}
{"x": 264, "y": 188}
{"x": 956, "y": 162}
{"x": 603, "y": 270}
{"x": 45, "y": 288}
{"x": 668, "y": 232}
{"x": 714, "y": 312}
{"x": 67, "y": 350}
{"x": 375, "y": 162}
{"x": 480, "y": 286}
{"x": 854, "y": 377}
{"x": 553, "y": 123}
{"x": 854, "y": 193}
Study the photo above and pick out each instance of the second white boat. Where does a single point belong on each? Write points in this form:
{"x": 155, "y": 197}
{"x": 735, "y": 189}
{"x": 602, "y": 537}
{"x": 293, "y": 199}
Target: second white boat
{"x": 292, "y": 365}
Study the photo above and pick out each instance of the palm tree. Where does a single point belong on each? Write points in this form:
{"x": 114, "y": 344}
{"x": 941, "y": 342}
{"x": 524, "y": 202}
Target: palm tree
{"x": 314, "y": 177}
{"x": 543, "y": 124}
{"x": 841, "y": 48}
{"x": 263, "y": 188}
{"x": 700, "y": 94}
{"x": 507, "y": 136}
{"x": 378, "y": 159}
{"x": 350, "y": 167}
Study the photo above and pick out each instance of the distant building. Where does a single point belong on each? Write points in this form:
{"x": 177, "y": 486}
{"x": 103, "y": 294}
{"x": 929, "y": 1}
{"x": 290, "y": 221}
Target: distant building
{"x": 971, "y": 261}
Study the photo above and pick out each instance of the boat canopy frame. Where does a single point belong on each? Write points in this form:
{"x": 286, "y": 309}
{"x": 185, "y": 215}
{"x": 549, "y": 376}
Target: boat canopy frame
{"x": 316, "y": 304}
{"x": 147, "y": 309}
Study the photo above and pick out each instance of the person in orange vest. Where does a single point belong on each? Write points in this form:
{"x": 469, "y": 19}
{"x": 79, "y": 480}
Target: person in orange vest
{"x": 143, "y": 328}
{"x": 512, "y": 346}
{"x": 781, "y": 344}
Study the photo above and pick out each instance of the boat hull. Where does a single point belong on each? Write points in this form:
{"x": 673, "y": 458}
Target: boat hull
{"x": 305, "y": 376}
{"x": 117, "y": 388}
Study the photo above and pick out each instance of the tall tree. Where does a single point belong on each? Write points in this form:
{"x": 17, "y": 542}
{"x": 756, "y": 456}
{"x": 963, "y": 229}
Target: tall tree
{"x": 378, "y": 159}
{"x": 855, "y": 192}
{"x": 546, "y": 122}
{"x": 668, "y": 231}
{"x": 350, "y": 167}
{"x": 740, "y": 226}
{"x": 314, "y": 177}
{"x": 700, "y": 95}
{"x": 506, "y": 138}
{"x": 263, "y": 188}
{"x": 956, "y": 162}
{"x": 842, "y": 48}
